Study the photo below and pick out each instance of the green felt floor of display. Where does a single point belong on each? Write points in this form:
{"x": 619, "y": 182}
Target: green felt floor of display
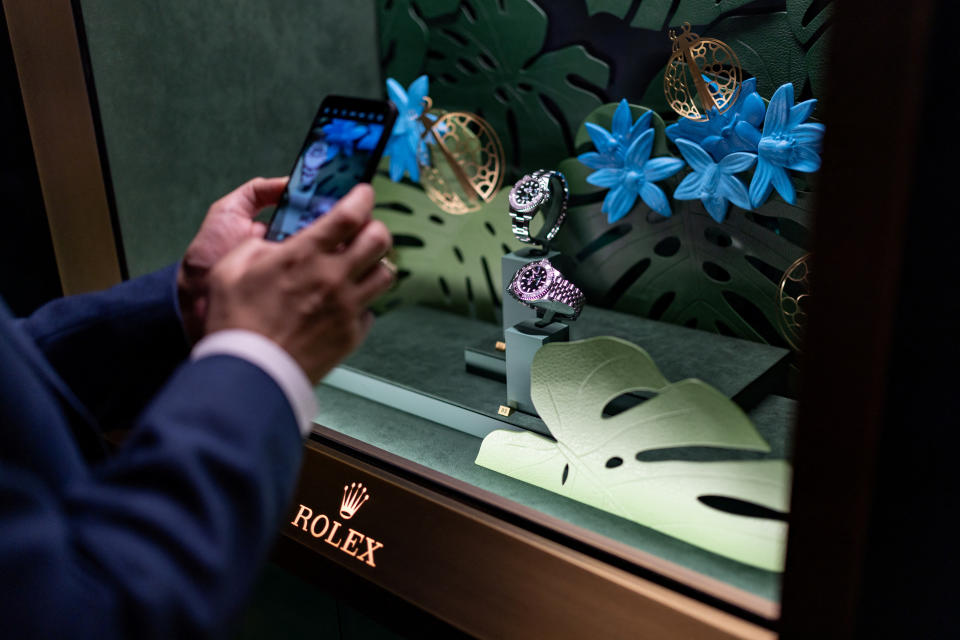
{"x": 415, "y": 356}
{"x": 414, "y": 360}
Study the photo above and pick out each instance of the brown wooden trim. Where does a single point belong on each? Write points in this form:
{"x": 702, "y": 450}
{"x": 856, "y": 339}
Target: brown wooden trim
{"x": 863, "y": 202}
{"x": 50, "y": 68}
{"x": 482, "y": 575}
{"x": 648, "y": 562}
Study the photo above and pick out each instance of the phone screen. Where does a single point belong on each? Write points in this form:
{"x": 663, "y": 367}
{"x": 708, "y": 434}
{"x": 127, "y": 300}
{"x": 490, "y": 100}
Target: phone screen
{"x": 342, "y": 148}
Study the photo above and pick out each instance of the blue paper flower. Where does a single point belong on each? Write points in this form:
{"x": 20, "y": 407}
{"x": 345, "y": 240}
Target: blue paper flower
{"x": 341, "y": 135}
{"x": 786, "y": 143}
{"x": 612, "y": 145}
{"x": 713, "y": 183}
{"x": 635, "y": 177}
{"x": 718, "y": 135}
{"x": 406, "y": 141}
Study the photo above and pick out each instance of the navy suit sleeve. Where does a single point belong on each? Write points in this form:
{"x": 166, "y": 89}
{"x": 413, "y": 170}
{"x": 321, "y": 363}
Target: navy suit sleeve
{"x": 163, "y": 539}
{"x": 114, "y": 348}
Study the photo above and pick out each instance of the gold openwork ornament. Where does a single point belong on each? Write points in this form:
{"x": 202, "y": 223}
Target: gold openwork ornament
{"x": 702, "y": 74}
{"x": 464, "y": 166}
{"x": 792, "y": 298}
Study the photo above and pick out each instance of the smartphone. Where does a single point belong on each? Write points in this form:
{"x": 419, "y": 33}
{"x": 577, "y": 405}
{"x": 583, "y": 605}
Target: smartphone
{"x": 342, "y": 148}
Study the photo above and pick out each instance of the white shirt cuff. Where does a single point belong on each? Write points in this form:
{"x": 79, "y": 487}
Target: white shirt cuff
{"x": 275, "y": 362}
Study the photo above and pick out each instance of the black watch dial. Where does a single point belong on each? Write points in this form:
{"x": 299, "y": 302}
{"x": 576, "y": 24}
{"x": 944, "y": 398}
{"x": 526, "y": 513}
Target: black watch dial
{"x": 526, "y": 195}
{"x": 532, "y": 282}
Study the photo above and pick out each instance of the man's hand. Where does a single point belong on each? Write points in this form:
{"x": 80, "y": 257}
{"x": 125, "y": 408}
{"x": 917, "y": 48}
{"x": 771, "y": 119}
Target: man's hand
{"x": 229, "y": 222}
{"x": 310, "y": 293}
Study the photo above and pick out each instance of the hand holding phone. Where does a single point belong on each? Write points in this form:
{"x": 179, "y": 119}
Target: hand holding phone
{"x": 342, "y": 148}
{"x": 308, "y": 295}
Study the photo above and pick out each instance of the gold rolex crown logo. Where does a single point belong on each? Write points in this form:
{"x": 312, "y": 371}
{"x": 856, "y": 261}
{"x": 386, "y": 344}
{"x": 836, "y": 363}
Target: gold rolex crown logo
{"x": 353, "y": 498}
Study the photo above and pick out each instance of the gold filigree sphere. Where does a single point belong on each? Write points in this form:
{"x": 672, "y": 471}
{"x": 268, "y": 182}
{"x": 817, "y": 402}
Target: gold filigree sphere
{"x": 702, "y": 73}
{"x": 464, "y": 168}
{"x": 792, "y": 298}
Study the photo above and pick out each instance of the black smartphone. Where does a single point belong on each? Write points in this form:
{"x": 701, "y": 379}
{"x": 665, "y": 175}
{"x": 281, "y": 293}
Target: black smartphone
{"x": 342, "y": 148}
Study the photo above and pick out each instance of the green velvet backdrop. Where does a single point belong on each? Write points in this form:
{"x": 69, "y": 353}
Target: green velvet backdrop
{"x": 197, "y": 97}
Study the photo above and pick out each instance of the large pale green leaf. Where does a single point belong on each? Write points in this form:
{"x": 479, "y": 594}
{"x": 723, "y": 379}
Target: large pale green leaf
{"x": 489, "y": 61}
{"x": 594, "y": 459}
{"x": 451, "y": 262}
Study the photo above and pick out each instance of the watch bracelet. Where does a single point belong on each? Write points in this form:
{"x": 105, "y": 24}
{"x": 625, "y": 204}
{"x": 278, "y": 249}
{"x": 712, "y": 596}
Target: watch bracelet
{"x": 565, "y": 292}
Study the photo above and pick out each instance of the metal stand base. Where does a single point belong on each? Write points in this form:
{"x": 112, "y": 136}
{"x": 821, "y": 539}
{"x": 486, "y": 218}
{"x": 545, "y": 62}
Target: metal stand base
{"x": 523, "y": 341}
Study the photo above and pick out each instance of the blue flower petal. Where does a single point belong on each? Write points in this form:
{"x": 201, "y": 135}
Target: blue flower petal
{"x": 602, "y": 139}
{"x": 640, "y": 150}
{"x": 641, "y": 125}
{"x": 761, "y": 186}
{"x": 716, "y": 206}
{"x": 659, "y": 168}
{"x": 696, "y": 157}
{"x": 779, "y": 110}
{"x": 596, "y": 160}
{"x": 805, "y": 159}
{"x": 753, "y": 109}
{"x": 733, "y": 190}
{"x": 750, "y": 134}
{"x": 716, "y": 146}
{"x": 414, "y": 170}
{"x": 618, "y": 203}
{"x": 606, "y": 177}
{"x": 689, "y": 188}
{"x": 737, "y": 162}
{"x": 396, "y": 171}
{"x": 810, "y": 133}
{"x": 622, "y": 120}
{"x": 800, "y": 112}
{"x": 416, "y": 92}
{"x": 675, "y": 131}
{"x": 655, "y": 198}
{"x": 783, "y": 185}
{"x": 397, "y": 95}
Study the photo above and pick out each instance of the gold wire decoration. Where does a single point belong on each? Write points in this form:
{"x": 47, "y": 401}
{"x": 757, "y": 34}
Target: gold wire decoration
{"x": 464, "y": 168}
{"x": 793, "y": 296}
{"x": 702, "y": 73}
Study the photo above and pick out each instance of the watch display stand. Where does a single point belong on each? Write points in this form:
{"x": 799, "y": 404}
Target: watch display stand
{"x": 485, "y": 359}
{"x": 523, "y": 340}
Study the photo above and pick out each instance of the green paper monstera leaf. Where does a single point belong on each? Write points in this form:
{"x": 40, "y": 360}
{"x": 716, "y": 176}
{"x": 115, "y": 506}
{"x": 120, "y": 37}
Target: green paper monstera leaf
{"x": 783, "y": 46}
{"x": 686, "y": 269}
{"x": 653, "y": 14}
{"x": 404, "y": 35}
{"x": 450, "y": 262}
{"x": 594, "y": 459}
{"x": 489, "y": 61}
